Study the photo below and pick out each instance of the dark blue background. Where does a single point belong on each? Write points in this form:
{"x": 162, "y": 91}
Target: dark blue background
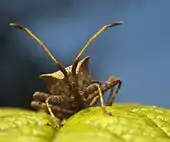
{"x": 138, "y": 52}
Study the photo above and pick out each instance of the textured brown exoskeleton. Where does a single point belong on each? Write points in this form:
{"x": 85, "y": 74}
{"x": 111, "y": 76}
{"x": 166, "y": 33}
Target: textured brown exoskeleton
{"x": 72, "y": 89}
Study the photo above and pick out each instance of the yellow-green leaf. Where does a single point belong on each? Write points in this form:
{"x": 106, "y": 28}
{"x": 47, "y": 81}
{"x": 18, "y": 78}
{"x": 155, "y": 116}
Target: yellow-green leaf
{"x": 18, "y": 125}
{"x": 129, "y": 123}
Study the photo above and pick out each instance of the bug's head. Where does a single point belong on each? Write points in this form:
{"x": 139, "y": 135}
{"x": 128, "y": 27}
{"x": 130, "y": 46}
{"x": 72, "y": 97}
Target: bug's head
{"x": 77, "y": 63}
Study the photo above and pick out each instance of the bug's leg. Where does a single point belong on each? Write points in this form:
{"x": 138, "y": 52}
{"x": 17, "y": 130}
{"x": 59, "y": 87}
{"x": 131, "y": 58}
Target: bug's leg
{"x": 40, "y": 96}
{"x": 94, "y": 100}
{"x": 58, "y": 113}
{"x": 111, "y": 83}
{"x": 56, "y": 120}
{"x": 114, "y": 89}
{"x": 52, "y": 99}
{"x": 111, "y": 94}
{"x": 88, "y": 93}
{"x": 98, "y": 85}
{"x": 55, "y": 108}
{"x": 91, "y": 93}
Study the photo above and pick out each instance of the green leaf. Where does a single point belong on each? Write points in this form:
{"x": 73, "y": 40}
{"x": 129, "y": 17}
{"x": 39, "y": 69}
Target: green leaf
{"x": 18, "y": 125}
{"x": 129, "y": 123}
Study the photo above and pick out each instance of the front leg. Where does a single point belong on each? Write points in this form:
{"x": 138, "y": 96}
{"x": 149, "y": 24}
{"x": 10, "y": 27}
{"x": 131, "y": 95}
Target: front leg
{"x": 42, "y": 100}
{"x": 91, "y": 91}
{"x": 57, "y": 113}
{"x": 111, "y": 83}
{"x": 40, "y": 96}
{"x": 55, "y": 108}
{"x": 50, "y": 104}
{"x": 52, "y": 99}
{"x": 97, "y": 85}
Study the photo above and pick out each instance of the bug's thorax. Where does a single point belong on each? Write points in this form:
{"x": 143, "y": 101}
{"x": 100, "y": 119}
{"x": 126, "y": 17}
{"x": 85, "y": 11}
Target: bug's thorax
{"x": 57, "y": 84}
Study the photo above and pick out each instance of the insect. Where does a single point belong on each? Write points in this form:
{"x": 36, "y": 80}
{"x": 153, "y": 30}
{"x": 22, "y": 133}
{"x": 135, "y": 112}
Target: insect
{"x": 72, "y": 89}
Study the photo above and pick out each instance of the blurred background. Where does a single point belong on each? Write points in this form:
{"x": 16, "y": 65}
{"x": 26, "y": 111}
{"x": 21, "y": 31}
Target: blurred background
{"x": 138, "y": 52}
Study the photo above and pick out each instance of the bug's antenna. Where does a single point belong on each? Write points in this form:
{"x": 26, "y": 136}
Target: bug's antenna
{"x": 75, "y": 63}
{"x": 30, "y": 33}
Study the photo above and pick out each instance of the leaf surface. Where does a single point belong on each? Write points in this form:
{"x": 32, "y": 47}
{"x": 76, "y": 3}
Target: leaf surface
{"x": 128, "y": 123}
{"x": 18, "y": 125}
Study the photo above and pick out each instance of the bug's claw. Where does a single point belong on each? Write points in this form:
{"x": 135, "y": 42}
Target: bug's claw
{"x": 106, "y": 112}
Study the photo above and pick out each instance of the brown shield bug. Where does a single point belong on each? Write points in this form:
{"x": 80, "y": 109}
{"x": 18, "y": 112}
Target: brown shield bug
{"x": 72, "y": 89}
